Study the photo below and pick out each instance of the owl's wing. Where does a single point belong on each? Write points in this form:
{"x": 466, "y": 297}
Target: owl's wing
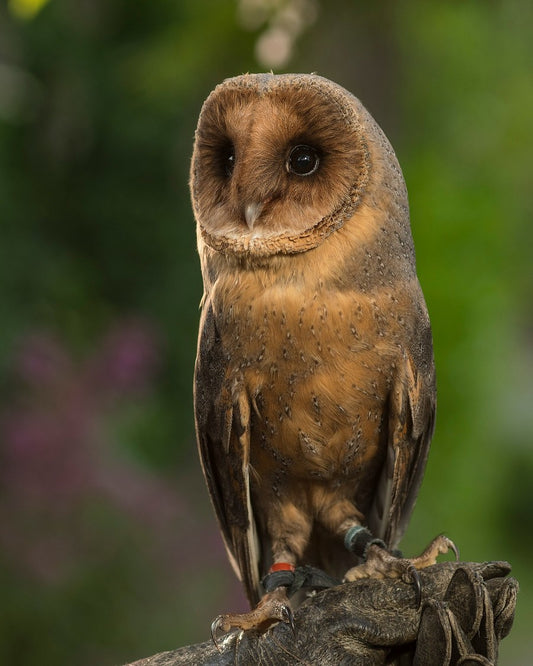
{"x": 223, "y": 433}
{"x": 411, "y": 423}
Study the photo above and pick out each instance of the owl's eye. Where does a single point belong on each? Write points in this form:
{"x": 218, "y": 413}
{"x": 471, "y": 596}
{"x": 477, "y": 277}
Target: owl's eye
{"x": 302, "y": 160}
{"x": 228, "y": 161}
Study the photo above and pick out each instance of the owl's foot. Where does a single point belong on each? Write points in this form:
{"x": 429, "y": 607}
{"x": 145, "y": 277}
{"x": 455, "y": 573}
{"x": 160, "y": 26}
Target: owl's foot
{"x": 273, "y": 607}
{"x": 382, "y": 564}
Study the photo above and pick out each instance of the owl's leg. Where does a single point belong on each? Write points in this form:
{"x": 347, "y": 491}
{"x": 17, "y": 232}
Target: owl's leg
{"x": 380, "y": 563}
{"x": 289, "y": 529}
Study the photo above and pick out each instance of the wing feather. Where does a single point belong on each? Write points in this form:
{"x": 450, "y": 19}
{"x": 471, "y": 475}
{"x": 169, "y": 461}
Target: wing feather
{"x": 410, "y": 428}
{"x": 223, "y": 434}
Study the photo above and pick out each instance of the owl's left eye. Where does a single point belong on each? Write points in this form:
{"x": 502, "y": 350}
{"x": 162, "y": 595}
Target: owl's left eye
{"x": 228, "y": 161}
{"x": 303, "y": 160}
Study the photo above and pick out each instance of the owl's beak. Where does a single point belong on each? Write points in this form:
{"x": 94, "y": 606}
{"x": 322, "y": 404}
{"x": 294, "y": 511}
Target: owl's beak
{"x": 251, "y": 212}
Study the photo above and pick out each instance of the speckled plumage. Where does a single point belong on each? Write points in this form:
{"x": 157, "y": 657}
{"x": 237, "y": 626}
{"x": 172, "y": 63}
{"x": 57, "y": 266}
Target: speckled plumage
{"x": 314, "y": 382}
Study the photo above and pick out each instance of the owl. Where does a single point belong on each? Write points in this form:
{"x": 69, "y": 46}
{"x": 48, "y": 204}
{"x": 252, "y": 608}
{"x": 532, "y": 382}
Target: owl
{"x": 314, "y": 379}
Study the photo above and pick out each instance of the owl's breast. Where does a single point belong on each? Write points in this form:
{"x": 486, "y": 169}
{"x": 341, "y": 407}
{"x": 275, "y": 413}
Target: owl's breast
{"x": 317, "y": 373}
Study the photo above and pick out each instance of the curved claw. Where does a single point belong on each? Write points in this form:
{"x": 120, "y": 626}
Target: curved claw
{"x": 288, "y": 617}
{"x": 453, "y": 547}
{"x": 415, "y": 578}
{"x": 216, "y": 625}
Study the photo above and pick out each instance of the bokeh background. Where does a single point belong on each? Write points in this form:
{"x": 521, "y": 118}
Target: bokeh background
{"x": 108, "y": 546}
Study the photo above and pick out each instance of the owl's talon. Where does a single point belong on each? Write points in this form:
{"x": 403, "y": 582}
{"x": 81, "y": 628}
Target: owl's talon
{"x": 439, "y": 546}
{"x": 453, "y": 548}
{"x": 216, "y": 625}
{"x": 380, "y": 563}
{"x": 288, "y": 618}
{"x": 415, "y": 580}
{"x": 274, "y": 607}
{"x": 224, "y": 625}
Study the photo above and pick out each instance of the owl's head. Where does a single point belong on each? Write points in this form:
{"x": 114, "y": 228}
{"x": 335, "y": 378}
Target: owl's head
{"x": 280, "y": 162}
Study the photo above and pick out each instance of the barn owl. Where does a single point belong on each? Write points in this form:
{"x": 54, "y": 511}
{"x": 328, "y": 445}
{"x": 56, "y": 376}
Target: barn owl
{"x": 314, "y": 379}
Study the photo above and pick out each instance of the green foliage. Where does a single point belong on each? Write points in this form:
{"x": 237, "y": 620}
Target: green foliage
{"x": 100, "y": 285}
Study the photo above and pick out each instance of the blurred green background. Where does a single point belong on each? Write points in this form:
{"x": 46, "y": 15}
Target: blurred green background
{"x": 108, "y": 547}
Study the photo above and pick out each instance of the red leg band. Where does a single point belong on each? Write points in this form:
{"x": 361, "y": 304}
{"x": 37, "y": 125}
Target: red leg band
{"x": 281, "y": 566}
